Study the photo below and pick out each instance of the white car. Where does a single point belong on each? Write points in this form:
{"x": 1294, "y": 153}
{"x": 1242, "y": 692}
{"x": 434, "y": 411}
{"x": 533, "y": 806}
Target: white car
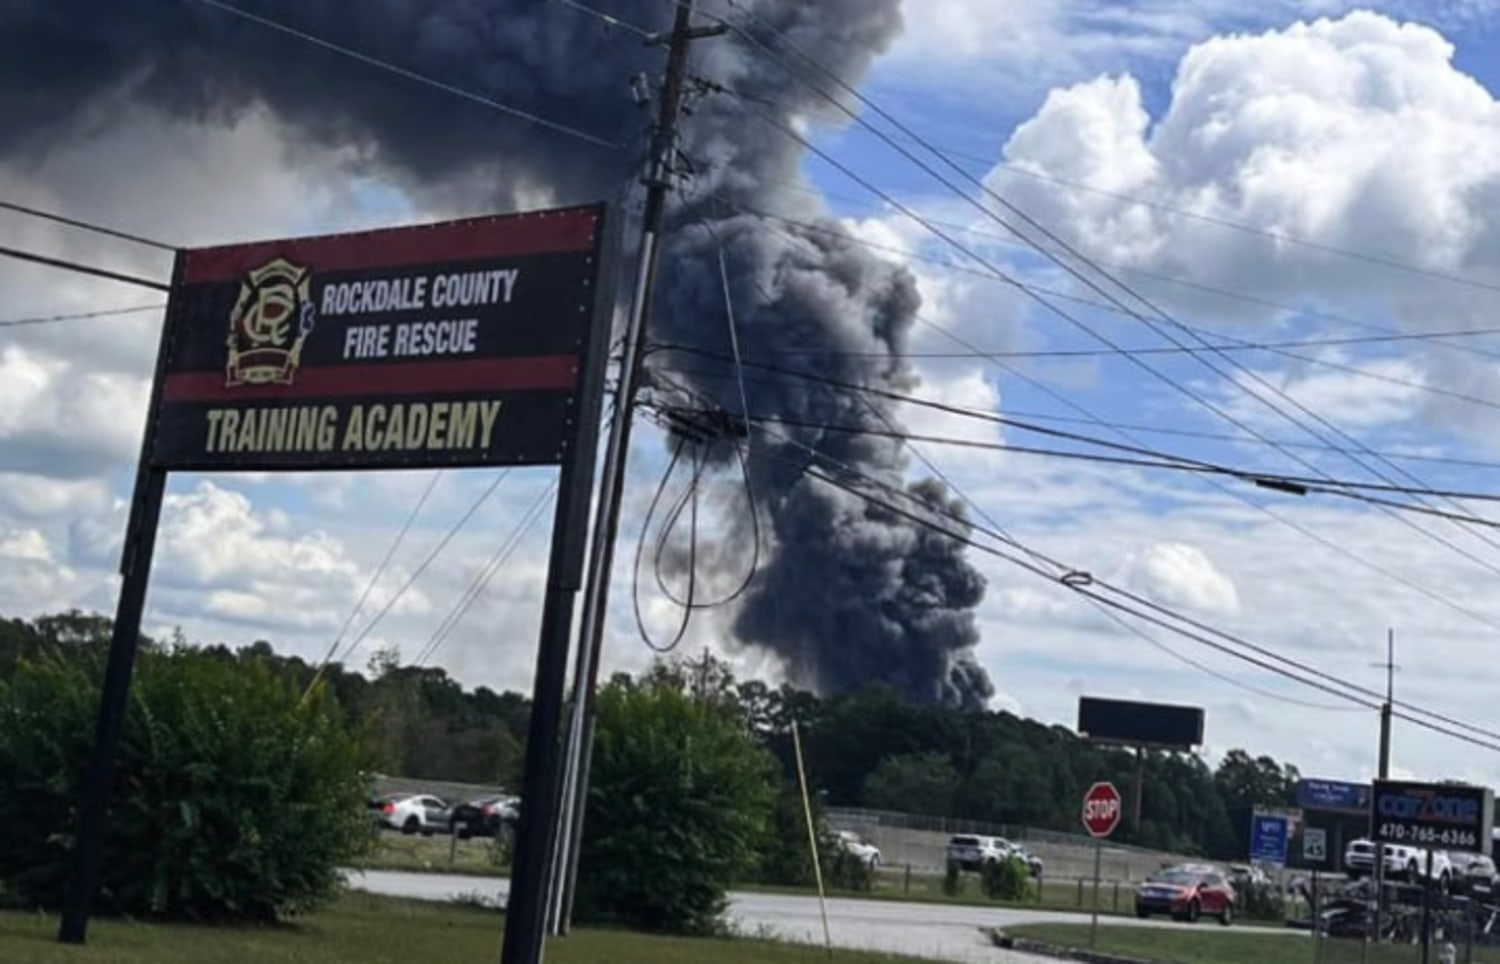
{"x": 1409, "y": 863}
{"x": 413, "y": 813}
{"x": 862, "y": 849}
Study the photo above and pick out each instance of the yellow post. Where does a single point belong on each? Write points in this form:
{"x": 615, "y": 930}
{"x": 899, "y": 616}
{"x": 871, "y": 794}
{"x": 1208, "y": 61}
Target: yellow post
{"x": 812, "y": 838}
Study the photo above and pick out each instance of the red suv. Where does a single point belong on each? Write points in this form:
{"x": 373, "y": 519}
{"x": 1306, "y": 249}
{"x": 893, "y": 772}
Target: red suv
{"x": 1186, "y": 895}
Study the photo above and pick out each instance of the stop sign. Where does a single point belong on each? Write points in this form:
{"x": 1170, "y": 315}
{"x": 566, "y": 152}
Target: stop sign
{"x": 1101, "y": 809}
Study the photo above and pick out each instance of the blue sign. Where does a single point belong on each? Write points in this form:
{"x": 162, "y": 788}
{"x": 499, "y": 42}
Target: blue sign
{"x": 1268, "y": 838}
{"x": 1333, "y": 795}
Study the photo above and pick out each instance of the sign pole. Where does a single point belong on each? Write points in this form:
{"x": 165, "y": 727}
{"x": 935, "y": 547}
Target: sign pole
{"x": 538, "y": 827}
{"x": 1094, "y": 917}
{"x": 124, "y": 642}
{"x": 93, "y": 814}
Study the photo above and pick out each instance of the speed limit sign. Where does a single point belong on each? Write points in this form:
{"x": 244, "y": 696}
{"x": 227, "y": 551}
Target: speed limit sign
{"x": 1315, "y": 845}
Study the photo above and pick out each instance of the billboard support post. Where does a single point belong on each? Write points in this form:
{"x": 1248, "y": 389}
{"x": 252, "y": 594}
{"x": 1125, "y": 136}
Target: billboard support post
{"x": 124, "y": 643}
{"x": 125, "y": 636}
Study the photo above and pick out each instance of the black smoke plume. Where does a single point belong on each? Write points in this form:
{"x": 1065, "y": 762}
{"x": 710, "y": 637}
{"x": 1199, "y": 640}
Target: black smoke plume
{"x": 849, "y": 592}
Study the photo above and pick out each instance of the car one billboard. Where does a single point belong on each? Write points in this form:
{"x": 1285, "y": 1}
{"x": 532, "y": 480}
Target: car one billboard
{"x": 454, "y": 344}
{"x": 1434, "y": 816}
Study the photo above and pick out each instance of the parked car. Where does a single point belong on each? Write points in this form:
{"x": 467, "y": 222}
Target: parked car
{"x": 412, "y": 813}
{"x": 1186, "y": 895}
{"x": 973, "y": 852}
{"x": 862, "y": 849}
{"x": 485, "y": 816}
{"x": 1474, "y": 874}
{"x": 1401, "y": 862}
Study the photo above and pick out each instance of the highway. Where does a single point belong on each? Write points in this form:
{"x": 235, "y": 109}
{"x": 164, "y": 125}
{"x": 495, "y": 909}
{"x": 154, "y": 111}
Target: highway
{"x": 948, "y": 932}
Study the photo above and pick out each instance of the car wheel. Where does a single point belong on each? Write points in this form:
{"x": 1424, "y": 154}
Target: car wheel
{"x": 462, "y": 831}
{"x": 1193, "y": 911}
{"x": 1411, "y": 871}
{"x": 1142, "y": 913}
{"x": 1226, "y": 916}
{"x": 411, "y": 826}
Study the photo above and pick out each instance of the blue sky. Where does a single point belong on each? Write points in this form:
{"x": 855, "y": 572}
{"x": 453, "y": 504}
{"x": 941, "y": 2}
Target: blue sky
{"x": 1358, "y": 133}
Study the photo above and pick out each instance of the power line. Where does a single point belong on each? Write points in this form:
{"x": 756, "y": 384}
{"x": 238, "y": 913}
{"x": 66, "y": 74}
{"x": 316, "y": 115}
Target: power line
{"x": 432, "y": 555}
{"x": 414, "y": 76}
{"x": 807, "y": 144}
{"x": 390, "y": 553}
{"x": 85, "y": 225}
{"x": 609, "y": 19}
{"x": 1302, "y": 311}
{"x": 975, "y": 507}
{"x": 1080, "y": 581}
{"x": 82, "y": 268}
{"x": 1165, "y": 459}
{"x": 78, "y": 316}
{"x": 481, "y": 580}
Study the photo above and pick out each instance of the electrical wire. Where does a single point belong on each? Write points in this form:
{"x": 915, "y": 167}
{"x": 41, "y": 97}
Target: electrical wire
{"x": 1163, "y": 459}
{"x": 481, "y": 580}
{"x": 609, "y": 19}
{"x": 81, "y": 268}
{"x": 1067, "y": 267}
{"x": 442, "y": 544}
{"x": 85, "y": 225}
{"x": 640, "y": 546}
{"x": 359, "y": 605}
{"x": 1080, "y": 581}
{"x": 412, "y": 75}
{"x": 78, "y": 316}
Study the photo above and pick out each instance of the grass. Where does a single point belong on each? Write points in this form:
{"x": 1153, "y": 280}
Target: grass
{"x": 436, "y": 854}
{"x": 375, "y": 930}
{"x": 1216, "y": 945}
{"x": 928, "y": 889}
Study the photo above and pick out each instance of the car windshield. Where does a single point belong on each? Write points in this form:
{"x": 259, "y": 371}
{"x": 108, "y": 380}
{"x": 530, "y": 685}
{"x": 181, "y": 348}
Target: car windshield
{"x": 1177, "y": 878}
{"x": 964, "y": 842}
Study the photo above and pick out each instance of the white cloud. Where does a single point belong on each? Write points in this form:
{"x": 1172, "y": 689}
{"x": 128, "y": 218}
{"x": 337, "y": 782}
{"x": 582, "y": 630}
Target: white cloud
{"x": 1182, "y": 575}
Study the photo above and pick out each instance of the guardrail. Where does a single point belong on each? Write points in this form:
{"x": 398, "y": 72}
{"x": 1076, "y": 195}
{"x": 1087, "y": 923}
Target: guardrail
{"x": 856, "y": 816}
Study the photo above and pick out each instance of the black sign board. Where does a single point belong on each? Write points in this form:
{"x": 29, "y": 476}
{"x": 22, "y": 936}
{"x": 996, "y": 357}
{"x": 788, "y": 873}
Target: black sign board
{"x": 1435, "y": 816}
{"x": 451, "y": 344}
{"x": 1140, "y": 724}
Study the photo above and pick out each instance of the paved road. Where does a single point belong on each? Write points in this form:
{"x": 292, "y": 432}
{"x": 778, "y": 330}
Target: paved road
{"x": 948, "y": 932}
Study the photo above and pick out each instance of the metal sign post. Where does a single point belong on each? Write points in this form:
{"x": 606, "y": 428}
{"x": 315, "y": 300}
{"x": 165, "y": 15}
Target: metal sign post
{"x": 465, "y": 343}
{"x": 1101, "y": 815}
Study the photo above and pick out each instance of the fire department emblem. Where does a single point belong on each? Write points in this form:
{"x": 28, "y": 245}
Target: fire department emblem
{"x": 270, "y": 322}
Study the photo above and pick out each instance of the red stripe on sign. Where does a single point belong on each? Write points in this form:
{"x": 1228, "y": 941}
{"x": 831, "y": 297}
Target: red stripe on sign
{"x": 539, "y": 373}
{"x": 474, "y": 239}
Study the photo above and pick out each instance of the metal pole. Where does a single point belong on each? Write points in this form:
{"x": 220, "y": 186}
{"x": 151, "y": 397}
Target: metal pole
{"x": 135, "y": 572}
{"x": 1094, "y": 917}
{"x": 1384, "y": 767}
{"x": 124, "y": 642}
{"x": 536, "y": 831}
{"x": 1136, "y": 792}
{"x": 812, "y": 839}
{"x": 1427, "y": 912}
{"x": 607, "y": 512}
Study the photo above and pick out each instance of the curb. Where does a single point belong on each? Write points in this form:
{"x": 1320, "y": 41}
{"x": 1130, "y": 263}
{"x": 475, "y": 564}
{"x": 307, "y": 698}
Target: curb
{"x": 1001, "y": 939}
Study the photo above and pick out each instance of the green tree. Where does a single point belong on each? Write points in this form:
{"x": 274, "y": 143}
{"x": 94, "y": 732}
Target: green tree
{"x": 915, "y": 783}
{"x": 233, "y": 798}
{"x": 679, "y": 807}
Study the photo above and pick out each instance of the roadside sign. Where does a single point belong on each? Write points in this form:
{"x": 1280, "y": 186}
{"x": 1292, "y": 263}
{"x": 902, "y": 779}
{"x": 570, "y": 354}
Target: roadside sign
{"x": 1101, "y": 809}
{"x": 1315, "y": 845}
{"x": 1434, "y": 816}
{"x": 1269, "y": 834}
{"x": 1334, "y": 795}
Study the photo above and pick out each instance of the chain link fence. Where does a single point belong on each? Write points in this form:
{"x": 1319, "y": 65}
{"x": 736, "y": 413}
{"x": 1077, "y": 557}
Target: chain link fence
{"x": 1417, "y": 925}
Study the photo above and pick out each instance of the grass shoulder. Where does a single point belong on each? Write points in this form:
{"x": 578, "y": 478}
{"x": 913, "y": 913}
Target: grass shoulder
{"x": 376, "y": 930}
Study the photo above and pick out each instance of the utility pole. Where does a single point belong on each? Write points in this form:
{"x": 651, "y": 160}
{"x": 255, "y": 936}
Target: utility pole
{"x": 1384, "y": 765}
{"x": 658, "y": 180}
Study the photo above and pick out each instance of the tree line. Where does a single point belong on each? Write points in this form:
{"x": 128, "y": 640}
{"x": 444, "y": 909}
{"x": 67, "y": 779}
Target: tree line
{"x": 870, "y": 748}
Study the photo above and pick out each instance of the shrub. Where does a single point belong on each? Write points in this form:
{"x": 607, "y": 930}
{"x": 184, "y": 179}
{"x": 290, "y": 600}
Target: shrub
{"x": 678, "y": 809}
{"x": 231, "y": 800}
{"x": 953, "y": 879}
{"x": 1006, "y": 879}
{"x": 845, "y": 871}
